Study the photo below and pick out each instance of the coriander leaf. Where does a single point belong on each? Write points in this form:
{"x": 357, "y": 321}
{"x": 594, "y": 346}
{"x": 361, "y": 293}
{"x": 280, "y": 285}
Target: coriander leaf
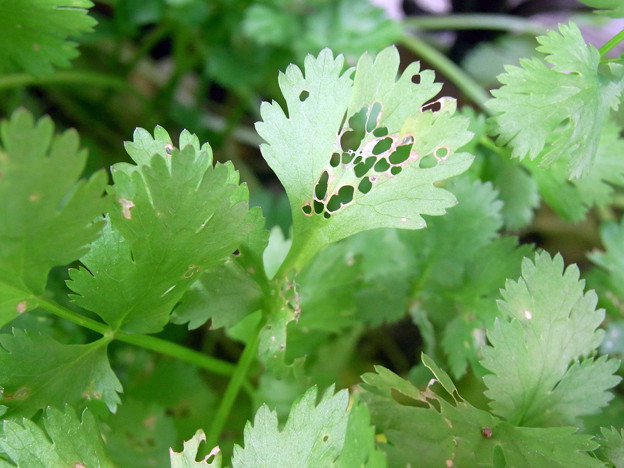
{"x": 170, "y": 220}
{"x": 362, "y": 153}
{"x": 612, "y": 445}
{"x": 426, "y": 429}
{"x": 35, "y": 34}
{"x": 314, "y": 434}
{"x": 36, "y": 371}
{"x": 47, "y": 216}
{"x": 608, "y": 277}
{"x": 560, "y": 109}
{"x": 572, "y": 199}
{"x": 186, "y": 458}
{"x": 548, "y": 326}
{"x": 70, "y": 441}
{"x": 613, "y": 8}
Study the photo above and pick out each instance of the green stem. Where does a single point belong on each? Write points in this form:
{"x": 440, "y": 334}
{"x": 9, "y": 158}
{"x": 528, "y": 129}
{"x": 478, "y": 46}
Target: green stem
{"x": 18, "y": 80}
{"x": 448, "y": 68}
{"x": 152, "y": 343}
{"x": 231, "y": 392}
{"x": 475, "y": 21}
{"x": 611, "y": 43}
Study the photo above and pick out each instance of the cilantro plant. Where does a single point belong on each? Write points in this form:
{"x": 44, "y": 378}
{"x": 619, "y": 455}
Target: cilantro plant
{"x": 159, "y": 317}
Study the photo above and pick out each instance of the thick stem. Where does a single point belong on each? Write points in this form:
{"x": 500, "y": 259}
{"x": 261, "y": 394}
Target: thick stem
{"x": 448, "y": 68}
{"x": 233, "y": 388}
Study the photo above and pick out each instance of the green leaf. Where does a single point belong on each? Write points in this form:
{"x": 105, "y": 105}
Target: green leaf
{"x": 613, "y": 8}
{"x": 36, "y": 372}
{"x": 70, "y": 441}
{"x": 362, "y": 153}
{"x": 170, "y": 220}
{"x": 560, "y": 109}
{"x": 47, "y": 216}
{"x": 572, "y": 199}
{"x": 314, "y": 434}
{"x": 612, "y": 445}
{"x": 424, "y": 429}
{"x": 186, "y": 458}
{"x": 35, "y": 34}
{"x": 541, "y": 372}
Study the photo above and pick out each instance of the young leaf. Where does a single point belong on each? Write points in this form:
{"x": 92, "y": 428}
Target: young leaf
{"x": 36, "y": 371}
{"x": 425, "y": 429}
{"x": 362, "y": 153}
{"x": 549, "y": 325}
{"x": 186, "y": 458}
{"x": 70, "y": 441}
{"x": 314, "y": 434}
{"x": 612, "y": 445}
{"x": 569, "y": 100}
{"x": 46, "y": 214}
{"x": 170, "y": 220}
{"x": 35, "y": 34}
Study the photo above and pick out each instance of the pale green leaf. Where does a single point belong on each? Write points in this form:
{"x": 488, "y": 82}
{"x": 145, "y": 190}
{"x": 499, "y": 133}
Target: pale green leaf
{"x": 35, "y": 33}
{"x": 548, "y": 326}
{"x": 36, "y": 371}
{"x": 313, "y": 436}
{"x": 170, "y": 220}
{"x": 47, "y": 216}
{"x": 362, "y": 153}
{"x": 560, "y": 109}
{"x": 612, "y": 445}
{"x": 70, "y": 441}
{"x": 613, "y": 8}
{"x": 187, "y": 458}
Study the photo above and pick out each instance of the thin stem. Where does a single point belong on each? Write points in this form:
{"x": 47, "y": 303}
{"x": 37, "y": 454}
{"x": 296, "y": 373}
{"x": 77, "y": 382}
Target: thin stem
{"x": 152, "y": 343}
{"x": 208, "y": 363}
{"x": 231, "y": 392}
{"x": 611, "y": 43}
{"x": 444, "y": 65}
{"x": 460, "y": 21}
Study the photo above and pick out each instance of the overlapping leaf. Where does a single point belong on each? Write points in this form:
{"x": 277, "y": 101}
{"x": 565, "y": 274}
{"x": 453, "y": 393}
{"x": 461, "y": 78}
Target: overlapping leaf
{"x": 173, "y": 216}
{"x": 35, "y": 33}
{"x": 36, "y": 372}
{"x": 47, "y": 216}
{"x": 541, "y": 372}
{"x": 432, "y": 428}
{"x": 70, "y": 441}
{"x": 314, "y": 434}
{"x": 557, "y": 111}
{"x": 357, "y": 154}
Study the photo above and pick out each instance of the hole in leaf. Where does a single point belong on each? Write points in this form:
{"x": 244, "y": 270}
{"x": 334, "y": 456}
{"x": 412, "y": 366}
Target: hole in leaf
{"x": 318, "y": 207}
{"x": 374, "y": 117}
{"x": 343, "y": 197}
{"x": 428, "y": 161}
{"x": 380, "y": 131}
{"x": 416, "y": 78}
{"x": 382, "y": 165}
{"x": 347, "y": 157}
{"x": 351, "y": 140}
{"x": 365, "y": 185}
{"x": 396, "y": 170}
{"x": 321, "y": 186}
{"x": 357, "y": 160}
{"x": 441, "y": 153}
{"x": 382, "y": 146}
{"x": 326, "y": 215}
{"x": 304, "y": 95}
{"x": 400, "y": 154}
{"x": 307, "y": 209}
{"x": 325, "y": 437}
{"x": 334, "y": 160}
{"x": 364, "y": 166}
{"x": 434, "y": 106}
